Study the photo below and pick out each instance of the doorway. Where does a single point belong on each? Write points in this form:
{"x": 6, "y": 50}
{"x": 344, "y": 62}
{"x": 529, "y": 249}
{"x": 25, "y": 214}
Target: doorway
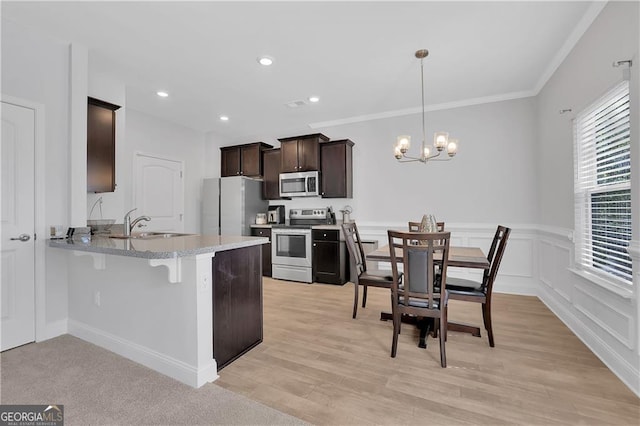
{"x": 18, "y": 248}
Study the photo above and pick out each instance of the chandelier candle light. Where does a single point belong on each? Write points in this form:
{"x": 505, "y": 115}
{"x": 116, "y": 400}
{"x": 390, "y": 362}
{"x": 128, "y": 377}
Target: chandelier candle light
{"x": 441, "y": 140}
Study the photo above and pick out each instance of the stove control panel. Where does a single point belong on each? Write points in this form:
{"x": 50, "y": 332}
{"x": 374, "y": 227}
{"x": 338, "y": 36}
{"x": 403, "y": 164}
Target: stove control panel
{"x": 317, "y": 213}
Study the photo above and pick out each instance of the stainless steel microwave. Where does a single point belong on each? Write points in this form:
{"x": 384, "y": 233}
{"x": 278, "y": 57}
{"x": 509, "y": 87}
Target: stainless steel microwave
{"x": 300, "y": 184}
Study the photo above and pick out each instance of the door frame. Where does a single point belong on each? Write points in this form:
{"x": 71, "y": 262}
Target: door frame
{"x": 39, "y": 216}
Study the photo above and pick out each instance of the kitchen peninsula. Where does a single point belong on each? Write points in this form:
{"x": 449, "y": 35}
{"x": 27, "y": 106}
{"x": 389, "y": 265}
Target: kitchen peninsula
{"x": 193, "y": 315}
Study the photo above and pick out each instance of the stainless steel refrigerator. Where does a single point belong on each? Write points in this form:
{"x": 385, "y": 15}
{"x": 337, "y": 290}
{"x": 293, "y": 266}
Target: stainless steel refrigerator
{"x": 230, "y": 205}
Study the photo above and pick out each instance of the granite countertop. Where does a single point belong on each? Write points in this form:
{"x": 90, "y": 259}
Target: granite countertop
{"x": 159, "y": 248}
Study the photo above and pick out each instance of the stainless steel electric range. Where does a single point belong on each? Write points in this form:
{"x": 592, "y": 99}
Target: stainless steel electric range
{"x": 291, "y": 250}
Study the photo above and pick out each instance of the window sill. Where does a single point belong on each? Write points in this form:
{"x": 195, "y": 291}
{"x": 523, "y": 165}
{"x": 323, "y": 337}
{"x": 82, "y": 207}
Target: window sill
{"x": 625, "y": 293}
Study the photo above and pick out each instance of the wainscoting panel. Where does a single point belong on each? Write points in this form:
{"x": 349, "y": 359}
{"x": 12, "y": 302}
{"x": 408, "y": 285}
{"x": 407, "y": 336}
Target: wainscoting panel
{"x": 601, "y": 312}
{"x": 539, "y": 261}
{"x": 603, "y": 319}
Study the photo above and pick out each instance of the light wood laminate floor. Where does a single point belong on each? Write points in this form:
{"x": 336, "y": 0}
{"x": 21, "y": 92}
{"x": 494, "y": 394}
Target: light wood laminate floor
{"x": 322, "y": 366}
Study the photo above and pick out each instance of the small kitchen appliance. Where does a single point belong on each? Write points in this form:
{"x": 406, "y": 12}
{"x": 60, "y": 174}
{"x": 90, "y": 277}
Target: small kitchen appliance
{"x": 276, "y": 214}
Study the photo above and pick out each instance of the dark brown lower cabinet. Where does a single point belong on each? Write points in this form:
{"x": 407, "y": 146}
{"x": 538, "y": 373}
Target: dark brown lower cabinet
{"x": 329, "y": 257}
{"x": 266, "y": 249}
{"x": 237, "y": 303}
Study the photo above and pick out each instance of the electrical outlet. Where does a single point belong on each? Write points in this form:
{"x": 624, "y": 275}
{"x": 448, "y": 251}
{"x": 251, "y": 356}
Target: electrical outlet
{"x": 96, "y": 298}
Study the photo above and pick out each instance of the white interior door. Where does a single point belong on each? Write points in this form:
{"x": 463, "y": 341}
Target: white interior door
{"x": 159, "y": 193}
{"x": 17, "y": 304}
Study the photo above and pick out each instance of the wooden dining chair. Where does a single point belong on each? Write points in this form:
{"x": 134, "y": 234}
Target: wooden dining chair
{"x": 418, "y": 292}
{"x": 360, "y": 275}
{"x": 480, "y": 292}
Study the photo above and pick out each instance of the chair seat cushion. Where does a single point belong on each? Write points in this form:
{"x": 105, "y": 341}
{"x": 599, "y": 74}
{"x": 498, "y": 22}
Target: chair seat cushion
{"x": 420, "y": 303}
{"x": 377, "y": 275}
{"x": 461, "y": 285}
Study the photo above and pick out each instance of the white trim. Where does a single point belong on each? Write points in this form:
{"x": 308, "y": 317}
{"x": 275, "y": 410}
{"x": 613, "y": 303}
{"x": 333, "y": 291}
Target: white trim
{"x": 40, "y": 210}
{"x": 428, "y": 108}
{"x": 618, "y": 365}
{"x": 625, "y": 340}
{"x": 169, "y": 366}
{"x": 604, "y": 283}
{"x": 55, "y": 329}
{"x": 587, "y": 19}
{"x": 585, "y": 22}
{"x": 634, "y": 250}
{"x": 78, "y": 91}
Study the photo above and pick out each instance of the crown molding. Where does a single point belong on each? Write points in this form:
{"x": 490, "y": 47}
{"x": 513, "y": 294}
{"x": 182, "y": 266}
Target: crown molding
{"x": 418, "y": 110}
{"x": 587, "y": 19}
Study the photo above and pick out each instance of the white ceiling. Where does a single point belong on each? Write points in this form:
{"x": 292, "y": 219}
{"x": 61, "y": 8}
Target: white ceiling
{"x": 358, "y": 57}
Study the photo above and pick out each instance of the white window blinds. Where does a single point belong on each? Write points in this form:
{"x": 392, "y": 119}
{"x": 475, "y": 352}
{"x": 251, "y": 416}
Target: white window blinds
{"x": 603, "y": 187}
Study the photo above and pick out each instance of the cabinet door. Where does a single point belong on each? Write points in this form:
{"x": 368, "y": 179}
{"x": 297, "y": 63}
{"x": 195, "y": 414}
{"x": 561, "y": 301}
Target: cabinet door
{"x": 271, "y": 183}
{"x": 289, "y": 156}
{"x": 101, "y": 149}
{"x": 230, "y": 161}
{"x": 336, "y": 169}
{"x": 326, "y": 261}
{"x": 237, "y": 303}
{"x": 308, "y": 154}
{"x": 329, "y": 257}
{"x": 266, "y": 249}
{"x": 250, "y": 161}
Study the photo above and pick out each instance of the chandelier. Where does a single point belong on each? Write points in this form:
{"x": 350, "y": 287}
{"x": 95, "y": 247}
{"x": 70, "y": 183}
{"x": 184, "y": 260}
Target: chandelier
{"x": 441, "y": 140}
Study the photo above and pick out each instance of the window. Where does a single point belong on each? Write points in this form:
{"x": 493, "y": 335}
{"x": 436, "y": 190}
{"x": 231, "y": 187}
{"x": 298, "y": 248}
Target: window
{"x": 603, "y": 186}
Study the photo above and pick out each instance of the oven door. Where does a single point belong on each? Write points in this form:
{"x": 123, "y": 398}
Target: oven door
{"x": 291, "y": 247}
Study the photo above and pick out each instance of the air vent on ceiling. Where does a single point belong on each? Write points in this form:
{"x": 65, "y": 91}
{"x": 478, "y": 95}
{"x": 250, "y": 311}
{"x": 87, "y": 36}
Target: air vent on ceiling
{"x": 295, "y": 104}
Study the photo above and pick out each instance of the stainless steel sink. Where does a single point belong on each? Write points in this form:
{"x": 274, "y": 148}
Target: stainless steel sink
{"x": 148, "y": 235}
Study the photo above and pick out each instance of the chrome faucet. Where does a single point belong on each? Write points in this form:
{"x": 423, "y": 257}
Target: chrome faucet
{"x": 129, "y": 224}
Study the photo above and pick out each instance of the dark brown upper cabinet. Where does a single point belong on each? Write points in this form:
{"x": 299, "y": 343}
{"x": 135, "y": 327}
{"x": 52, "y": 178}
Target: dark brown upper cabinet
{"x": 101, "y": 146}
{"x": 242, "y": 160}
{"x": 336, "y": 169}
{"x": 271, "y": 182}
{"x": 300, "y": 153}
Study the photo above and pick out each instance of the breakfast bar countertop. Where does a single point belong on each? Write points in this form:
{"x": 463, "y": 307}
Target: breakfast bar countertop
{"x": 159, "y": 248}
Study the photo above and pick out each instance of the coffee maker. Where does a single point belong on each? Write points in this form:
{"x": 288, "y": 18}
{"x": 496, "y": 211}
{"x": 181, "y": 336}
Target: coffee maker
{"x": 275, "y": 214}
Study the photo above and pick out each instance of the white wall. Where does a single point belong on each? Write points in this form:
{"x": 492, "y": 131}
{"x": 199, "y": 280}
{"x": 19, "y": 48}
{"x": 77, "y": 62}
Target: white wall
{"x": 492, "y": 179}
{"x": 605, "y": 318}
{"x": 150, "y": 135}
{"x": 35, "y": 68}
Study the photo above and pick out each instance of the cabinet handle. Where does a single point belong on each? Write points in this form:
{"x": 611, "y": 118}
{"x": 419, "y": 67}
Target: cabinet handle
{"x": 324, "y": 235}
{"x": 314, "y": 244}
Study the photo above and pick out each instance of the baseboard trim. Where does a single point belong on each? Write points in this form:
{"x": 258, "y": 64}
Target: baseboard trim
{"x": 619, "y": 366}
{"x": 166, "y": 365}
{"x": 53, "y": 329}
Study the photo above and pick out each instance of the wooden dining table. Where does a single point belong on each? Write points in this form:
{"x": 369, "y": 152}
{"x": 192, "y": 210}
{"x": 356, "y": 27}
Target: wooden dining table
{"x": 460, "y": 257}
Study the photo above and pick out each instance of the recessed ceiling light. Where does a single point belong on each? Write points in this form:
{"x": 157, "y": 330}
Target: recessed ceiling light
{"x": 313, "y": 99}
{"x": 265, "y": 60}
{"x": 224, "y": 118}
{"x": 162, "y": 94}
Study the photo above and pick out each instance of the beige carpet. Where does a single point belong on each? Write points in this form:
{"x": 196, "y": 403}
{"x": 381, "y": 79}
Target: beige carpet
{"x": 99, "y": 387}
